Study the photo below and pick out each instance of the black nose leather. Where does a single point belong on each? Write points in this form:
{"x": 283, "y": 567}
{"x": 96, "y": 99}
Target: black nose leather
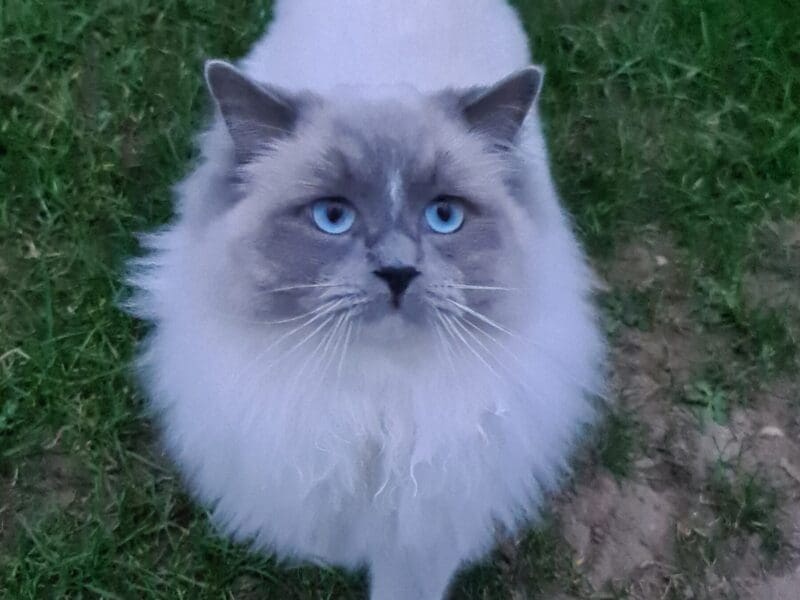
{"x": 397, "y": 278}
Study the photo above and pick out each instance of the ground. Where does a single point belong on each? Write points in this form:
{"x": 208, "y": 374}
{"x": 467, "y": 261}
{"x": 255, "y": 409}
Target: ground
{"x": 675, "y": 139}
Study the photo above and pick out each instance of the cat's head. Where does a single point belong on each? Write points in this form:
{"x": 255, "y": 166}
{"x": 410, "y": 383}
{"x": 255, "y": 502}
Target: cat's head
{"x": 399, "y": 210}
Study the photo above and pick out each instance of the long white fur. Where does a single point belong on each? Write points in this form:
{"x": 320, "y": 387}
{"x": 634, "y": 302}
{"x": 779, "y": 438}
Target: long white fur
{"x": 402, "y": 464}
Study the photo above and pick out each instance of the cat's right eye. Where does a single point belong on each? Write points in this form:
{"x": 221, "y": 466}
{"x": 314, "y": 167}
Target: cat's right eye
{"x": 333, "y": 215}
{"x": 445, "y": 214}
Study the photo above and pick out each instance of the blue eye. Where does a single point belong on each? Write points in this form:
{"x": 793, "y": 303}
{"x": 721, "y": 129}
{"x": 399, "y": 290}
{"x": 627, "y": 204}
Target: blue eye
{"x": 444, "y": 215}
{"x": 333, "y": 216}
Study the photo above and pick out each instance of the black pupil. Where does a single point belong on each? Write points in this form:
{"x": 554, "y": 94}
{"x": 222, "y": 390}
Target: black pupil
{"x": 334, "y": 213}
{"x": 444, "y": 211}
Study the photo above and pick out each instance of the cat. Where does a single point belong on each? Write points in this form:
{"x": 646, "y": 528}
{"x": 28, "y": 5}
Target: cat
{"x": 373, "y": 342}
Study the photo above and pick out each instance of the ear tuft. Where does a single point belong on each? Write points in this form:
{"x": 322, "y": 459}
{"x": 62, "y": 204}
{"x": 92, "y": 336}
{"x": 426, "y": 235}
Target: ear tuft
{"x": 255, "y": 114}
{"x": 501, "y": 109}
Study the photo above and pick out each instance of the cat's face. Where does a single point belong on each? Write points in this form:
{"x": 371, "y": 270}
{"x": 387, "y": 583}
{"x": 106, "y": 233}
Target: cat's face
{"x": 399, "y": 213}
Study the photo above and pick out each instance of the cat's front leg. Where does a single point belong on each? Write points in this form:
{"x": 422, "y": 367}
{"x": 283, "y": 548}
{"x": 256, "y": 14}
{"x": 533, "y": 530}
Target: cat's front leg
{"x": 412, "y": 574}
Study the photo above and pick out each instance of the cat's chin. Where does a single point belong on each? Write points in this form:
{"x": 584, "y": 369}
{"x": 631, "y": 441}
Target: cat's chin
{"x": 385, "y": 324}
{"x": 391, "y": 327}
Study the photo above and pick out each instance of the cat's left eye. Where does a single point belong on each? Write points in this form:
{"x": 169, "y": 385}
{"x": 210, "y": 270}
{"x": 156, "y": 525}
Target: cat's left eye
{"x": 333, "y": 215}
{"x": 445, "y": 215}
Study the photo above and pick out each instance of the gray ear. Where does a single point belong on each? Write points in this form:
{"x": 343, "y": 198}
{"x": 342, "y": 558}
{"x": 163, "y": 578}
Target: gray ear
{"x": 254, "y": 113}
{"x": 500, "y": 110}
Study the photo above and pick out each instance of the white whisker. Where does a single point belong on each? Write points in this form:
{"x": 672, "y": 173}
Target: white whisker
{"x": 461, "y": 286}
{"x": 302, "y": 286}
{"x": 445, "y": 347}
{"x": 324, "y": 340}
{"x": 240, "y": 319}
{"x": 315, "y": 314}
{"x": 458, "y": 322}
{"x": 480, "y": 316}
{"x": 329, "y": 352}
{"x": 343, "y": 355}
{"x": 448, "y": 321}
{"x": 499, "y": 344}
{"x": 564, "y": 372}
{"x": 302, "y": 342}
{"x": 329, "y": 308}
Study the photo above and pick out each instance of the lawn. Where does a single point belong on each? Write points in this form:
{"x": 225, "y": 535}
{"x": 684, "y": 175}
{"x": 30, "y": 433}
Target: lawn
{"x": 674, "y": 127}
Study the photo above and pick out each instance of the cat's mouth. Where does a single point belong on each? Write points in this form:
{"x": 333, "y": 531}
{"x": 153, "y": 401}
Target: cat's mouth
{"x": 407, "y": 311}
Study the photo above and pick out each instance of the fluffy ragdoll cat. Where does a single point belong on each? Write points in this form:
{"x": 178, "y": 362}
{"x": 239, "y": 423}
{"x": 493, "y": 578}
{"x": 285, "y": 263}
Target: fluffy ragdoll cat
{"x": 373, "y": 343}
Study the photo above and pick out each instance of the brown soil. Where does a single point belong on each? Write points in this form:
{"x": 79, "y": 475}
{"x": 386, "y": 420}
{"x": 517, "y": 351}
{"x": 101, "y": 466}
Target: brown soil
{"x": 631, "y": 535}
{"x": 52, "y": 482}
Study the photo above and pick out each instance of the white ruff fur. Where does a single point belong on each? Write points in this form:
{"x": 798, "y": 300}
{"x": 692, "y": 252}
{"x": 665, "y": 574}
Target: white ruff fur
{"x": 402, "y": 463}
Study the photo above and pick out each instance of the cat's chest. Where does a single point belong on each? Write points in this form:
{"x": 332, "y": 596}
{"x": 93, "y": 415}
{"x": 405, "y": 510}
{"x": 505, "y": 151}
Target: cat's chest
{"x": 368, "y": 446}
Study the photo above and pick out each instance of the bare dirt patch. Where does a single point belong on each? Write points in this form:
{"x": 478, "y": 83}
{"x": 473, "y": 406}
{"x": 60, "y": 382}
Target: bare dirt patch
{"x": 56, "y": 481}
{"x": 661, "y": 533}
{"x": 618, "y": 530}
{"x": 775, "y": 283}
{"x": 772, "y": 289}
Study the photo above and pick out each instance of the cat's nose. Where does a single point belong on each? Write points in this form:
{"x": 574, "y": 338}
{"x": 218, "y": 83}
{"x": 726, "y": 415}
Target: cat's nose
{"x": 398, "y": 279}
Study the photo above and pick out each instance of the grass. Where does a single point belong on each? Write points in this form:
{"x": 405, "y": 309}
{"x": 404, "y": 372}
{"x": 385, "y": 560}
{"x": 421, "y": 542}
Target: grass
{"x": 747, "y": 504}
{"x": 764, "y": 336}
{"x": 619, "y": 443}
{"x": 744, "y": 504}
{"x": 677, "y": 113}
{"x": 710, "y": 402}
{"x": 543, "y": 563}
{"x": 629, "y": 308}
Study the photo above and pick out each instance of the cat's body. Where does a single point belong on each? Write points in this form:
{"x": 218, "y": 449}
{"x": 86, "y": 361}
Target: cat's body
{"x": 393, "y": 431}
